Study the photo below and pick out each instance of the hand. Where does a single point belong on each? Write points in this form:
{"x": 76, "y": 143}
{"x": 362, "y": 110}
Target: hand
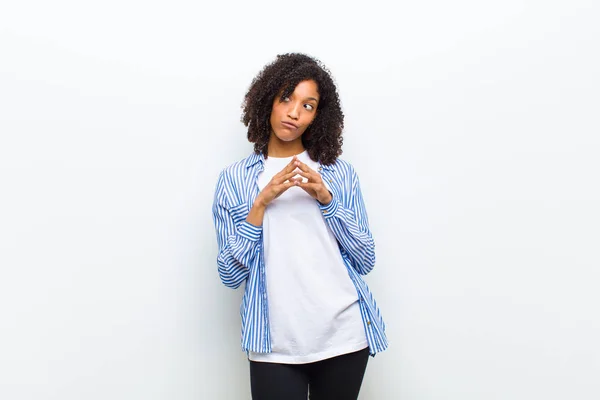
{"x": 314, "y": 186}
{"x": 281, "y": 182}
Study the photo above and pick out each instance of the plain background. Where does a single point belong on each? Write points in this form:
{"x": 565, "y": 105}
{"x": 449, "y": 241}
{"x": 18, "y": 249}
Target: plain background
{"x": 474, "y": 129}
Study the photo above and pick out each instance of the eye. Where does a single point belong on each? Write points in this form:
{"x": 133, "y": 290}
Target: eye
{"x": 285, "y": 99}
{"x": 309, "y": 107}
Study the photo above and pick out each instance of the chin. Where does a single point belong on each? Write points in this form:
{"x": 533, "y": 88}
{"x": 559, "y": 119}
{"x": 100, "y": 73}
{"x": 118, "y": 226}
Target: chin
{"x": 287, "y": 138}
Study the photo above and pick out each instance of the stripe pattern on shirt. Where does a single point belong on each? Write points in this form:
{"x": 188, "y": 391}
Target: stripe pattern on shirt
{"x": 240, "y": 256}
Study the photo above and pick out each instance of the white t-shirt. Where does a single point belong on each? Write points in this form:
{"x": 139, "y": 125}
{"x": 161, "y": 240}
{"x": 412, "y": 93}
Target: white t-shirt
{"x": 313, "y": 305}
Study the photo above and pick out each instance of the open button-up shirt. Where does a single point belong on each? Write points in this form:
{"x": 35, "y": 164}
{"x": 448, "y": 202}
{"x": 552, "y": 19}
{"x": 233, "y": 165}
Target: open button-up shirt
{"x": 240, "y": 258}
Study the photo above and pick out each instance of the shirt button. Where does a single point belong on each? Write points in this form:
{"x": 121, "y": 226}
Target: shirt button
{"x": 368, "y": 322}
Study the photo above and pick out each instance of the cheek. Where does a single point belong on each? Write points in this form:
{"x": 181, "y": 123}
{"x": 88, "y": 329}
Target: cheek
{"x": 273, "y": 115}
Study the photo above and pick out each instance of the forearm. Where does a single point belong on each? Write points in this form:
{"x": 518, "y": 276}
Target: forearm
{"x": 237, "y": 241}
{"x": 237, "y": 253}
{"x": 257, "y": 213}
{"x": 351, "y": 230}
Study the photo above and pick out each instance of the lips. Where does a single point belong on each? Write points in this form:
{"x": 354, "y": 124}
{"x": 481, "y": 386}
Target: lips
{"x": 289, "y": 125}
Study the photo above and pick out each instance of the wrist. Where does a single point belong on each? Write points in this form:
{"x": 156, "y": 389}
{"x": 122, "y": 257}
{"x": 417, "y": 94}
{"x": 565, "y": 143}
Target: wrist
{"x": 326, "y": 198}
{"x": 259, "y": 203}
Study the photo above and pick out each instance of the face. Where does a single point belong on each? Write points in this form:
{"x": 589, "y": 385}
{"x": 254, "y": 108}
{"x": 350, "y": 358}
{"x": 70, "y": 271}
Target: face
{"x": 291, "y": 115}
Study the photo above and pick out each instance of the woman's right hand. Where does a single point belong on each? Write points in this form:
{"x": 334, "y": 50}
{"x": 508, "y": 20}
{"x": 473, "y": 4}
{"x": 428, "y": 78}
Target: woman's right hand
{"x": 280, "y": 182}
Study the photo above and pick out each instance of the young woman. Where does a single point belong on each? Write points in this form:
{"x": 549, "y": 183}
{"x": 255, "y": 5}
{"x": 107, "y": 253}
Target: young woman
{"x": 291, "y": 224}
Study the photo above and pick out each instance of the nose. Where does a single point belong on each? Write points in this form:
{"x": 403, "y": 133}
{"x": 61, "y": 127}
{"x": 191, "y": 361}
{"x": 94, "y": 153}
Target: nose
{"x": 293, "y": 111}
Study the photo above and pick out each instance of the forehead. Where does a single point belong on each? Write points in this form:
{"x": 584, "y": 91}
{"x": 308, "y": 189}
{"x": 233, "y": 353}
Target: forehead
{"x": 307, "y": 89}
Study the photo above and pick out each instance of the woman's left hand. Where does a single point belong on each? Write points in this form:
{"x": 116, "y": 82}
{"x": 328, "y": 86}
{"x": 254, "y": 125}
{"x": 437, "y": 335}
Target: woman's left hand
{"x": 314, "y": 186}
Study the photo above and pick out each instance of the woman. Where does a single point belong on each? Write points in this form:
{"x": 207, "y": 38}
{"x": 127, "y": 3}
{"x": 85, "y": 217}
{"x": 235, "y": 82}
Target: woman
{"x": 292, "y": 225}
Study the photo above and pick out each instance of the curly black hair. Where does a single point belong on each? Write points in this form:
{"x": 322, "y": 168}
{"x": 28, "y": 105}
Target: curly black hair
{"x": 323, "y": 138}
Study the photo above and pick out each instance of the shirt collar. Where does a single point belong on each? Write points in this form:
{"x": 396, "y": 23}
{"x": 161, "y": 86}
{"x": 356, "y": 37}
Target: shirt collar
{"x": 326, "y": 167}
{"x": 253, "y": 159}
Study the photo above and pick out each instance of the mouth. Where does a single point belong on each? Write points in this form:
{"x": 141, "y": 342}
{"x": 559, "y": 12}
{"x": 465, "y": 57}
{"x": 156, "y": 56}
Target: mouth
{"x": 289, "y": 125}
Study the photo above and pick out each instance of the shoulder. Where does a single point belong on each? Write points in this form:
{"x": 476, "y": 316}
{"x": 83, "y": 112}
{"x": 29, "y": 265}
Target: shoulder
{"x": 343, "y": 169}
{"x": 240, "y": 167}
{"x": 342, "y": 165}
{"x": 233, "y": 181}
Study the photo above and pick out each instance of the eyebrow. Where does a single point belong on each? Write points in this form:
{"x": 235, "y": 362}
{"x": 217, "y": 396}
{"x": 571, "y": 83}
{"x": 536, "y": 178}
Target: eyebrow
{"x": 312, "y": 98}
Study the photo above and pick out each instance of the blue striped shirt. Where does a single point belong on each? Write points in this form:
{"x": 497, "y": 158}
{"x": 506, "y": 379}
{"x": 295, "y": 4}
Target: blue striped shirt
{"x": 240, "y": 258}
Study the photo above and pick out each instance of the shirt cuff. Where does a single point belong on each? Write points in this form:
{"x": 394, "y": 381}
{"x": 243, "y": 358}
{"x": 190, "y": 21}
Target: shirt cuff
{"x": 251, "y": 232}
{"x": 330, "y": 209}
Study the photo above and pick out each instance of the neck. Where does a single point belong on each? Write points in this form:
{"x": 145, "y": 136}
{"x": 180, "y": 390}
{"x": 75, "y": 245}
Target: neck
{"x": 281, "y": 149}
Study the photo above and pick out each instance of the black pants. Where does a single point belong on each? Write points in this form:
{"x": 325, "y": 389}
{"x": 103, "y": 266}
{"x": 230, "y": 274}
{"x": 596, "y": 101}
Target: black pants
{"x": 337, "y": 378}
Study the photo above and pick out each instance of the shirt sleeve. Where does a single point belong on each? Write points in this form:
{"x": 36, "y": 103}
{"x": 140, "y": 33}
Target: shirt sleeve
{"x": 237, "y": 239}
{"x": 346, "y": 215}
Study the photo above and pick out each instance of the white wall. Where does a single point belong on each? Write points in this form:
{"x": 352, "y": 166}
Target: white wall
{"x": 474, "y": 128}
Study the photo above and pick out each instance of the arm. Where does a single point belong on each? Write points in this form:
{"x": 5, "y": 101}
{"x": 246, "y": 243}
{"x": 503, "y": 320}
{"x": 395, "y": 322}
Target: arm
{"x": 239, "y": 230}
{"x": 237, "y": 239}
{"x": 349, "y": 222}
